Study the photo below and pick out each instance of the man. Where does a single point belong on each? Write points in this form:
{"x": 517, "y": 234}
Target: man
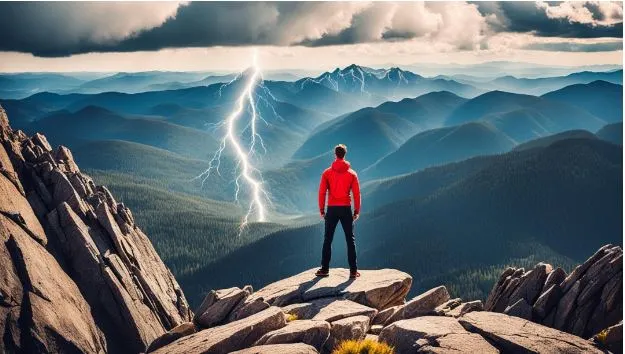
{"x": 339, "y": 179}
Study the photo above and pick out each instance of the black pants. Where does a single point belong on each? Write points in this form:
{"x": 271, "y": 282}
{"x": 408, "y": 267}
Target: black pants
{"x": 333, "y": 216}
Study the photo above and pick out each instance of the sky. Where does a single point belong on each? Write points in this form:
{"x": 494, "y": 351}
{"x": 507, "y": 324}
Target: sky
{"x": 220, "y": 36}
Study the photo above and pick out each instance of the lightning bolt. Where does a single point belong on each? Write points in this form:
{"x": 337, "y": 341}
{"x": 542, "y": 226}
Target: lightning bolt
{"x": 248, "y": 174}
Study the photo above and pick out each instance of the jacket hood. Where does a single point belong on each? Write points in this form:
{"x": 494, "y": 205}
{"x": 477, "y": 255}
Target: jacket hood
{"x": 340, "y": 165}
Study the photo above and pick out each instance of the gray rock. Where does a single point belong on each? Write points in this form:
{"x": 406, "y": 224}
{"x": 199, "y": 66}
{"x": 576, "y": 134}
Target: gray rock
{"x": 433, "y": 334}
{"x": 466, "y": 307}
{"x": 556, "y": 277}
{"x": 351, "y": 328}
{"x": 376, "y": 329}
{"x": 599, "y": 274}
{"x": 566, "y": 306}
{"x": 312, "y": 332}
{"x": 297, "y": 348}
{"x": 183, "y": 330}
{"x": 421, "y": 305}
{"x": 245, "y": 309}
{"x": 375, "y": 288}
{"x": 520, "y": 309}
{"x": 58, "y": 317}
{"x": 217, "y": 306}
{"x": 447, "y": 306}
{"x": 546, "y": 302}
{"x": 41, "y": 141}
{"x": 330, "y": 310}
{"x": 581, "y": 269}
{"x": 383, "y": 316}
{"x": 516, "y": 335}
{"x": 65, "y": 156}
{"x": 531, "y": 283}
{"x": 230, "y": 337}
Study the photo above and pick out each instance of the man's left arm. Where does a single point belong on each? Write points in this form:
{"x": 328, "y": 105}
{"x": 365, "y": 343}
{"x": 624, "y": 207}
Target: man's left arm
{"x": 356, "y": 195}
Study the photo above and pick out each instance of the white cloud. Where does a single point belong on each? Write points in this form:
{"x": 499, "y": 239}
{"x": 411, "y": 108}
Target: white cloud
{"x": 588, "y": 12}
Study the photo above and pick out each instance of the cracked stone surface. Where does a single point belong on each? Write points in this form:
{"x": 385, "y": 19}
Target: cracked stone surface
{"x": 433, "y": 334}
{"x": 516, "y": 335}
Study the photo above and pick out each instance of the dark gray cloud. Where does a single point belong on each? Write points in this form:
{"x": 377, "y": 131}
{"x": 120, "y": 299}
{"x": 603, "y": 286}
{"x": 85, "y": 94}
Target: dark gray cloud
{"x": 62, "y": 29}
{"x": 522, "y": 17}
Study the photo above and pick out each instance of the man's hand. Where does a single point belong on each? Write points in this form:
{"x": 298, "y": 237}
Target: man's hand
{"x": 356, "y": 216}
{"x": 322, "y": 214}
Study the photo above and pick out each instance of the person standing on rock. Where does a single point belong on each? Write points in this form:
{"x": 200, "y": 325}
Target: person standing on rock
{"x": 338, "y": 181}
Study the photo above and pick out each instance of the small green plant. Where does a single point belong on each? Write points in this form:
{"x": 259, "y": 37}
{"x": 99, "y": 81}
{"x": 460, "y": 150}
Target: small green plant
{"x": 366, "y": 346}
{"x": 291, "y": 317}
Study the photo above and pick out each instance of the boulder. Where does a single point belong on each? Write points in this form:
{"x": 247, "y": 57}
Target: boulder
{"x": 516, "y": 335}
{"x": 230, "y": 337}
{"x": 556, "y": 277}
{"x": 566, "y": 305}
{"x": 429, "y": 334}
{"x": 384, "y": 315}
{"x": 421, "y": 305}
{"x": 376, "y": 329}
{"x": 245, "y": 309}
{"x": 350, "y": 328}
{"x": 217, "y": 306}
{"x": 375, "y": 288}
{"x": 466, "y": 307}
{"x": 175, "y": 333}
{"x": 531, "y": 283}
{"x": 329, "y": 309}
{"x": 447, "y": 306}
{"x": 547, "y": 301}
{"x": 296, "y": 348}
{"x": 311, "y": 332}
{"x": 519, "y": 309}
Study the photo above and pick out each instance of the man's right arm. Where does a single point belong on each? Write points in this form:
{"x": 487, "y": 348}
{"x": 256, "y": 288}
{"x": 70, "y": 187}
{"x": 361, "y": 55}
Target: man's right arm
{"x": 323, "y": 189}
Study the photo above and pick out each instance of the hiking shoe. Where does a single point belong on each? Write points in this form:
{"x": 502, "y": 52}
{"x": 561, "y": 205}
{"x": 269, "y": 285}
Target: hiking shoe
{"x": 354, "y": 275}
{"x": 322, "y": 272}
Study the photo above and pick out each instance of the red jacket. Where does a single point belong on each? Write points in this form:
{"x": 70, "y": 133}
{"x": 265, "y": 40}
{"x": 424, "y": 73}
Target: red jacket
{"x": 339, "y": 179}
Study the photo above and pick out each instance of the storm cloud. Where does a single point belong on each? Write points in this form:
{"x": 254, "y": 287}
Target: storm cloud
{"x": 62, "y": 29}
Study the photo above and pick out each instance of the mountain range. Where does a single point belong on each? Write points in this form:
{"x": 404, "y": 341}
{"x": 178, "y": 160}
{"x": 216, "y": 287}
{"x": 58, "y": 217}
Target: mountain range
{"x": 448, "y": 164}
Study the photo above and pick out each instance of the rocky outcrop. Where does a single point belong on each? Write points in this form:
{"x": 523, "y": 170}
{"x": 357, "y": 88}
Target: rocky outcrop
{"x": 424, "y": 304}
{"x": 78, "y": 274}
{"x": 386, "y": 288}
{"x": 183, "y": 330}
{"x": 582, "y": 303}
{"x": 311, "y": 332}
{"x": 432, "y": 322}
{"x": 350, "y": 328}
{"x": 433, "y": 334}
{"x": 230, "y": 337}
{"x": 298, "y": 348}
{"x": 515, "y": 335}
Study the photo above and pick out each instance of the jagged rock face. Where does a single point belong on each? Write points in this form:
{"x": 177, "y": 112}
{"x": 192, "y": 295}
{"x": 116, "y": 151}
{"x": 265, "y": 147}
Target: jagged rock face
{"x": 583, "y": 303}
{"x": 77, "y": 273}
{"x": 434, "y": 323}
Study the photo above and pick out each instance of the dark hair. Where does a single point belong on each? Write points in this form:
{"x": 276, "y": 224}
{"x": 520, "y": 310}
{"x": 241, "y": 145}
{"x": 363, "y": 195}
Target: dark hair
{"x": 340, "y": 150}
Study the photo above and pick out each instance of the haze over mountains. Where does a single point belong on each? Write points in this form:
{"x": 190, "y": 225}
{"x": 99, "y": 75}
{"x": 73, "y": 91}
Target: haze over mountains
{"x": 530, "y": 166}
